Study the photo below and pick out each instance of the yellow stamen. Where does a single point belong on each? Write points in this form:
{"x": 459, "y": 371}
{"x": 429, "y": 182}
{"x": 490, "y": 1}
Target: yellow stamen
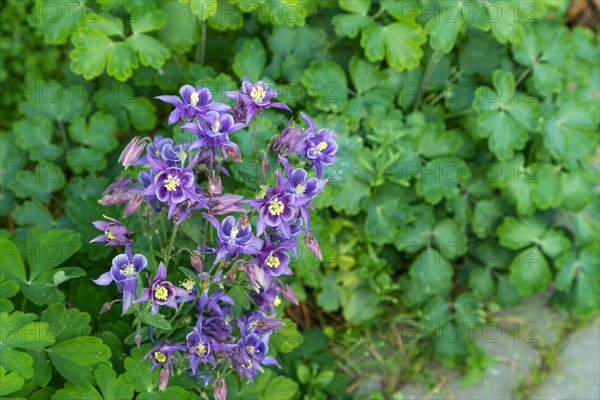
{"x": 321, "y": 146}
{"x": 234, "y": 232}
{"x": 194, "y": 98}
{"x": 160, "y": 357}
{"x": 109, "y": 235}
{"x": 277, "y": 301}
{"x": 187, "y": 284}
{"x": 250, "y": 362}
{"x": 250, "y": 349}
{"x": 160, "y": 292}
{"x": 276, "y": 207}
{"x": 129, "y": 270}
{"x": 201, "y": 349}
{"x": 171, "y": 183}
{"x": 272, "y": 261}
{"x": 258, "y": 93}
{"x": 216, "y": 126}
{"x": 301, "y": 188}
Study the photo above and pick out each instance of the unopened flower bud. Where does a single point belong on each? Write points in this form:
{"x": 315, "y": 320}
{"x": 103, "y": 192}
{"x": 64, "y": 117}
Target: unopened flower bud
{"x": 265, "y": 165}
{"x": 244, "y": 219}
{"x": 133, "y": 204}
{"x": 234, "y": 154}
{"x": 106, "y": 307}
{"x": 214, "y": 185}
{"x": 131, "y": 153}
{"x": 138, "y": 340}
{"x": 163, "y": 379}
{"x": 313, "y": 246}
{"x": 289, "y": 295}
{"x": 220, "y": 389}
{"x": 231, "y": 277}
{"x": 196, "y": 261}
{"x": 255, "y": 274}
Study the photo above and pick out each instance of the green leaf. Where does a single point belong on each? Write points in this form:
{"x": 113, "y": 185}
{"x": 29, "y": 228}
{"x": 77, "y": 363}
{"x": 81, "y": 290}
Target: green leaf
{"x": 79, "y": 392}
{"x": 450, "y": 239}
{"x": 384, "y": 215}
{"x": 228, "y": 17}
{"x": 287, "y": 338}
{"x": 35, "y": 135}
{"x": 48, "y": 250}
{"x": 356, "y": 6}
{"x": 12, "y": 264}
{"x": 91, "y": 51}
{"x": 555, "y": 243}
{"x": 202, "y": 8}
{"x": 568, "y": 264}
{"x": 157, "y": 320}
{"x": 149, "y": 21}
{"x": 152, "y": 53}
{"x": 544, "y": 195}
{"x": 364, "y": 75}
{"x": 111, "y": 386}
{"x": 508, "y": 295}
{"x": 181, "y": 31}
{"x": 506, "y": 21}
{"x": 122, "y": 61}
{"x": 400, "y": 42}
{"x": 18, "y": 334}
{"x": 33, "y": 213}
{"x": 38, "y": 184}
{"x": 505, "y": 115}
{"x": 431, "y": 272}
{"x": 56, "y": 101}
{"x": 350, "y": 25}
{"x": 482, "y": 283}
{"x": 417, "y": 234}
{"x": 42, "y": 367}
{"x": 529, "y": 271}
{"x": 82, "y": 160}
{"x": 443, "y": 29}
{"x": 142, "y": 113}
{"x": 251, "y": 60}
{"x": 172, "y": 392}
{"x": 17, "y": 361}
{"x": 360, "y": 305}
{"x": 329, "y": 297}
{"x": 281, "y": 388}
{"x": 98, "y": 132}
{"x": 66, "y": 324}
{"x": 486, "y": 217}
{"x": 63, "y": 18}
{"x": 76, "y": 359}
{"x": 440, "y": 178}
{"x": 107, "y": 24}
{"x": 516, "y": 234}
{"x": 326, "y": 82}
{"x": 9, "y": 382}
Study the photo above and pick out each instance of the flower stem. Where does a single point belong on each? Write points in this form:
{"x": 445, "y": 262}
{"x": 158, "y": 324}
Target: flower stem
{"x": 256, "y": 158}
{"x": 523, "y": 76}
{"x": 201, "y": 47}
{"x": 433, "y": 62}
{"x": 171, "y": 244}
{"x": 63, "y": 134}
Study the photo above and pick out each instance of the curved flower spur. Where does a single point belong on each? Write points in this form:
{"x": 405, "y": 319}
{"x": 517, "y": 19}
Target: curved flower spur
{"x": 182, "y": 181}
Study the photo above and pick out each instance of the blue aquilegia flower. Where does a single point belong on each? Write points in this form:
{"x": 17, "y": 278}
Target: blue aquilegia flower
{"x": 233, "y": 238}
{"x": 162, "y": 356}
{"x": 255, "y": 97}
{"x": 194, "y": 102}
{"x": 213, "y": 130}
{"x": 124, "y": 272}
{"x": 162, "y": 292}
{"x": 199, "y": 347}
{"x": 277, "y": 208}
{"x": 114, "y": 233}
{"x": 320, "y": 148}
{"x": 250, "y": 355}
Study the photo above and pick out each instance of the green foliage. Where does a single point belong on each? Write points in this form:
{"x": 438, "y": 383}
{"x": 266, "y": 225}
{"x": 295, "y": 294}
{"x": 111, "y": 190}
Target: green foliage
{"x": 464, "y": 178}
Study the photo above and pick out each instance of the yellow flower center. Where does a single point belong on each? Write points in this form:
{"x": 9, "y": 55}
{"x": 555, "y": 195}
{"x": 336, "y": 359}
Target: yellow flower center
{"x": 160, "y": 357}
{"x": 129, "y": 270}
{"x": 161, "y": 292}
{"x": 258, "y": 93}
{"x": 187, "y": 284}
{"x": 216, "y": 126}
{"x": 171, "y": 183}
{"x": 201, "y": 349}
{"x": 249, "y": 365}
{"x": 301, "y": 188}
{"x": 227, "y": 319}
{"x": 277, "y": 301}
{"x": 234, "y": 232}
{"x": 276, "y": 207}
{"x": 194, "y": 98}
{"x": 321, "y": 146}
{"x": 272, "y": 261}
{"x": 250, "y": 349}
{"x": 109, "y": 235}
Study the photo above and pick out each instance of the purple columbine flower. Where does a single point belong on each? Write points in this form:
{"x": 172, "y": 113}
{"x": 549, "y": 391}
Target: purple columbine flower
{"x": 320, "y": 149}
{"x": 194, "y": 101}
{"x": 173, "y": 185}
{"x": 119, "y": 192}
{"x": 199, "y": 348}
{"x": 277, "y": 208}
{"x": 213, "y": 131}
{"x": 124, "y": 271}
{"x": 161, "y": 292}
{"x": 233, "y": 238}
{"x": 114, "y": 233}
{"x": 258, "y": 323}
{"x": 255, "y": 97}
{"x": 162, "y": 356}
{"x": 274, "y": 260}
{"x": 290, "y": 138}
{"x": 289, "y": 294}
{"x": 268, "y": 297}
{"x": 250, "y": 355}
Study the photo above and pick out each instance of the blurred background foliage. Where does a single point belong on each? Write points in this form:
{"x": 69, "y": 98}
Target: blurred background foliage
{"x": 466, "y": 176}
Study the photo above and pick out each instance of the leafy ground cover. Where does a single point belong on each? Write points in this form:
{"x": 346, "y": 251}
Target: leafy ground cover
{"x": 465, "y": 181}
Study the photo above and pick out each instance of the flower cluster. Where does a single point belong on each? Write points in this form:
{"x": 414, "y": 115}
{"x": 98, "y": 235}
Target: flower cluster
{"x": 258, "y": 236}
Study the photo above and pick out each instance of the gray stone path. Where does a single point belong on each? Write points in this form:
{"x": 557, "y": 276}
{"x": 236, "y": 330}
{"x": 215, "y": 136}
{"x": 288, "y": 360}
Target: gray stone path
{"x": 576, "y": 376}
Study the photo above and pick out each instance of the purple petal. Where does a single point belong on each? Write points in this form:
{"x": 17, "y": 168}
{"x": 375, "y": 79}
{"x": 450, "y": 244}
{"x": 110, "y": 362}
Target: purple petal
{"x": 104, "y": 279}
